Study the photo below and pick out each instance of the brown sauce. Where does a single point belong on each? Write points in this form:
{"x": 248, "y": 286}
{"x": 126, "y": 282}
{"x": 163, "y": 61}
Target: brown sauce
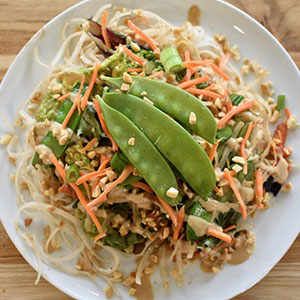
{"x": 194, "y": 15}
{"x": 144, "y": 291}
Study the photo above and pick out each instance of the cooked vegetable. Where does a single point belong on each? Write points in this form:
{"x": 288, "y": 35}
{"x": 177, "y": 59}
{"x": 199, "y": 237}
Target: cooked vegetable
{"x": 175, "y": 102}
{"x": 171, "y": 60}
{"x": 73, "y": 173}
{"x": 48, "y": 109}
{"x": 74, "y": 154}
{"x": 236, "y": 99}
{"x": 225, "y": 133}
{"x": 280, "y": 102}
{"x": 162, "y": 131}
{"x": 141, "y": 154}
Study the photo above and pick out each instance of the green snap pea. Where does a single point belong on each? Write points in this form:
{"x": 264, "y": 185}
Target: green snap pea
{"x": 141, "y": 153}
{"x": 175, "y": 102}
{"x": 174, "y": 142}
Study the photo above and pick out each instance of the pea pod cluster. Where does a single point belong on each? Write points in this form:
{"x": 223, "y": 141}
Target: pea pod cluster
{"x": 141, "y": 153}
{"x": 175, "y": 102}
{"x": 171, "y": 139}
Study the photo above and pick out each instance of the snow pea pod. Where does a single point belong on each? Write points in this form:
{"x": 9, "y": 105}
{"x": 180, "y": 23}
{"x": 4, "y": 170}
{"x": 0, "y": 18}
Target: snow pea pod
{"x": 175, "y": 102}
{"x": 141, "y": 153}
{"x": 173, "y": 141}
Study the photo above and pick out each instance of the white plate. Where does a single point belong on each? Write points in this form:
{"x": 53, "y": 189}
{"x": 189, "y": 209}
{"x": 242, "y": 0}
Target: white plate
{"x": 275, "y": 229}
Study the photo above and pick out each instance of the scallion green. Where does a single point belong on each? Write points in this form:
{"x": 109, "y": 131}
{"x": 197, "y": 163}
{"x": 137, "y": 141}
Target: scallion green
{"x": 236, "y": 99}
{"x": 73, "y": 174}
{"x": 280, "y": 102}
{"x": 171, "y": 60}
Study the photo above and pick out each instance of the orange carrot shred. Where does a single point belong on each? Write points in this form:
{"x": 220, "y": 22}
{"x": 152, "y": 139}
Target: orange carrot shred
{"x": 245, "y": 139}
{"x": 205, "y": 93}
{"x": 213, "y": 151}
{"x": 143, "y": 35}
{"x": 91, "y": 175}
{"x": 219, "y": 235}
{"x": 134, "y": 70}
{"x": 87, "y": 190}
{"x": 194, "y": 63}
{"x": 169, "y": 210}
{"x": 89, "y": 145}
{"x": 229, "y": 228}
{"x": 103, "y": 125}
{"x": 77, "y": 190}
{"x": 157, "y": 74}
{"x": 192, "y": 82}
{"x": 136, "y": 58}
{"x": 90, "y": 87}
{"x": 224, "y": 61}
{"x": 64, "y": 97}
{"x": 216, "y": 189}
{"x": 142, "y": 74}
{"x": 287, "y": 112}
{"x": 179, "y": 223}
{"x": 99, "y": 236}
{"x": 143, "y": 186}
{"x": 219, "y": 72}
{"x": 259, "y": 184}
{"x": 127, "y": 171}
{"x": 236, "y": 193}
{"x": 103, "y": 28}
{"x": 242, "y": 107}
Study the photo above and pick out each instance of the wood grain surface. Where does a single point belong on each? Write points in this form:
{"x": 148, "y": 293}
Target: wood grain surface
{"x": 19, "y": 20}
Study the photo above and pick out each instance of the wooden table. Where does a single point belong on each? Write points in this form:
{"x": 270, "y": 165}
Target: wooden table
{"x": 19, "y": 20}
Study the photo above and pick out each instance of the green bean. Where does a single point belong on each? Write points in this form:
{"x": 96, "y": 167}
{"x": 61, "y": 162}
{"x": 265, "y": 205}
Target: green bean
{"x": 73, "y": 173}
{"x": 174, "y": 142}
{"x": 175, "y": 102}
{"x": 141, "y": 153}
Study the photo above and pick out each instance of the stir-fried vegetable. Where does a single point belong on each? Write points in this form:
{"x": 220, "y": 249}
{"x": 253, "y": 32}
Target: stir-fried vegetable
{"x": 171, "y": 59}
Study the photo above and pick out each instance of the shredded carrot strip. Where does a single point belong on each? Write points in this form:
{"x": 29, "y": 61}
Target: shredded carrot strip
{"x": 213, "y": 151}
{"x": 142, "y": 74}
{"x": 103, "y": 125}
{"x": 224, "y": 61}
{"x": 275, "y": 154}
{"x": 157, "y": 74}
{"x": 245, "y": 139}
{"x": 64, "y": 97}
{"x": 127, "y": 171}
{"x": 216, "y": 189}
{"x": 242, "y": 107}
{"x": 103, "y": 28}
{"x": 179, "y": 223}
{"x": 66, "y": 189}
{"x": 206, "y": 93}
{"x": 219, "y": 235}
{"x": 77, "y": 190}
{"x": 229, "y": 228}
{"x": 219, "y": 72}
{"x": 236, "y": 193}
{"x": 142, "y": 34}
{"x": 83, "y": 201}
{"x": 210, "y": 87}
{"x": 100, "y": 172}
{"x": 260, "y": 206}
{"x": 89, "y": 145}
{"x": 169, "y": 210}
{"x": 192, "y": 82}
{"x": 136, "y": 58}
{"x": 194, "y": 63}
{"x": 134, "y": 70}
{"x": 143, "y": 186}
{"x": 259, "y": 184}
{"x": 102, "y": 158}
{"x": 187, "y": 58}
{"x": 88, "y": 91}
{"x": 287, "y": 112}
{"x": 99, "y": 236}
{"x": 196, "y": 74}
{"x": 227, "y": 99}
{"x": 86, "y": 187}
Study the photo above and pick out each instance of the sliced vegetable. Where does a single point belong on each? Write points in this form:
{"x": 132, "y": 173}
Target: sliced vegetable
{"x": 175, "y": 102}
{"x": 225, "y": 133}
{"x": 48, "y": 108}
{"x": 280, "y": 102}
{"x": 73, "y": 173}
{"x": 236, "y": 99}
{"x": 171, "y": 60}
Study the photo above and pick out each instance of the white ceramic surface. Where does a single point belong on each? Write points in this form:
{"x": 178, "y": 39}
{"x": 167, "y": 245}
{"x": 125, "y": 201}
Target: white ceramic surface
{"x": 273, "y": 238}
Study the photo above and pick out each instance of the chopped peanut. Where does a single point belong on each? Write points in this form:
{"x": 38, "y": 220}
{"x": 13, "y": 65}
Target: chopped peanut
{"x": 6, "y": 139}
{"x": 131, "y": 141}
{"x": 109, "y": 292}
{"x": 172, "y": 193}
